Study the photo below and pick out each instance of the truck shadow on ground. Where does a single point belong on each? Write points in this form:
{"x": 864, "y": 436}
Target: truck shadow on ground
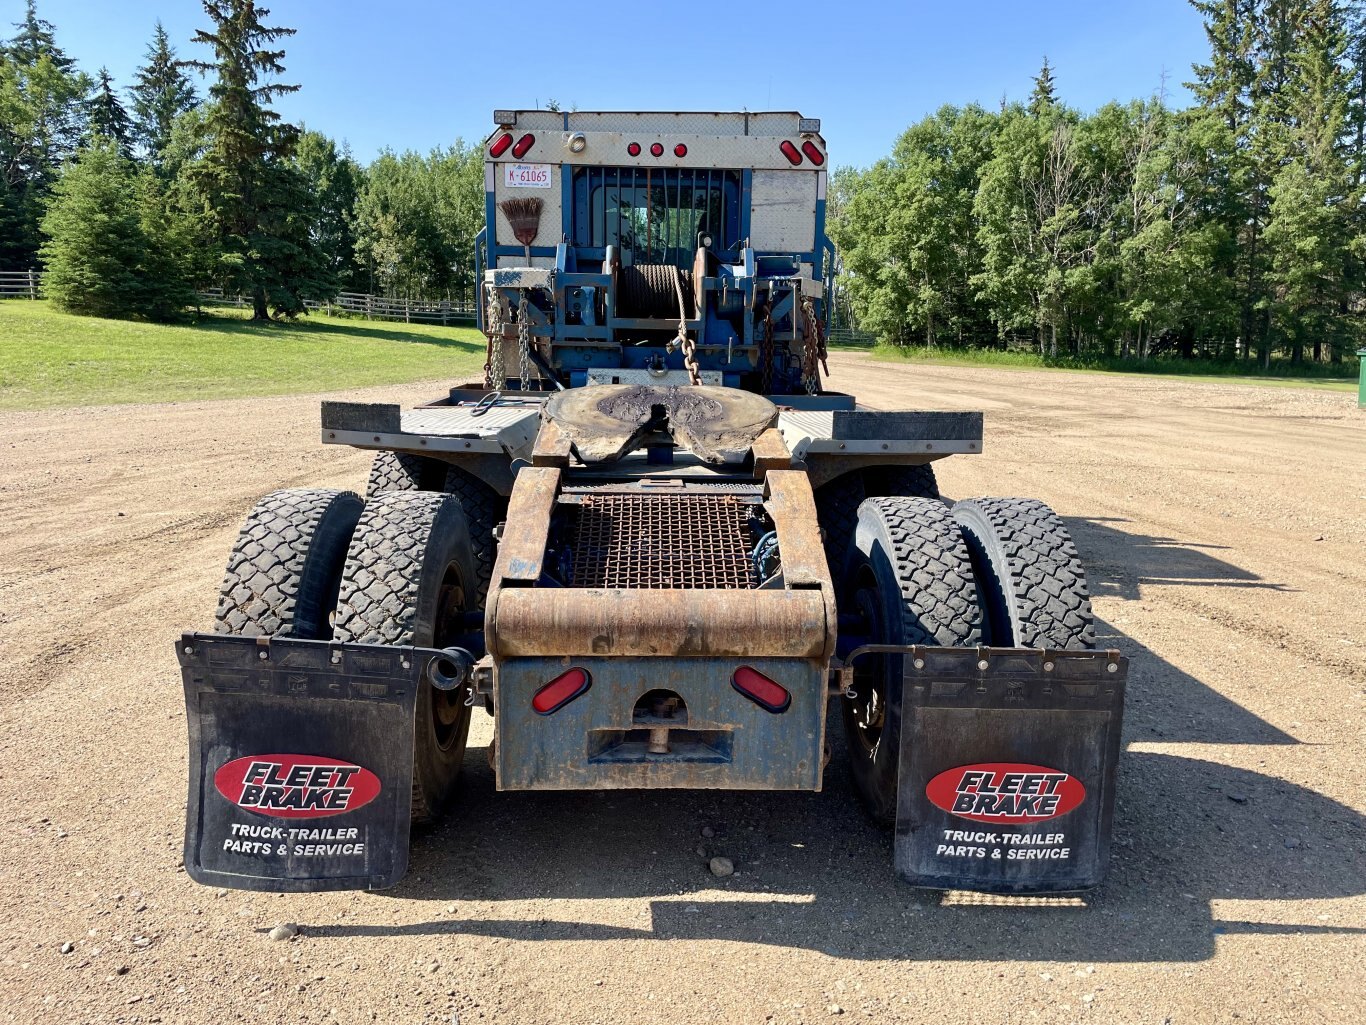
{"x": 813, "y": 873}
{"x": 1119, "y": 562}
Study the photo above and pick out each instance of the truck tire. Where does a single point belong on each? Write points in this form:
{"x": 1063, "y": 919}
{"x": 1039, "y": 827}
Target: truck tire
{"x": 1032, "y": 587}
{"x": 285, "y": 569}
{"x": 402, "y": 471}
{"x": 909, "y": 577}
{"x": 901, "y": 481}
{"x": 409, "y": 577}
{"x": 837, "y": 501}
{"x": 484, "y": 509}
{"x": 837, "y": 505}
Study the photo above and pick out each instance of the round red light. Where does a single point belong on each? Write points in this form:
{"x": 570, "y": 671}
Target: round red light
{"x": 656, "y": 149}
{"x": 633, "y": 149}
{"x": 680, "y": 150}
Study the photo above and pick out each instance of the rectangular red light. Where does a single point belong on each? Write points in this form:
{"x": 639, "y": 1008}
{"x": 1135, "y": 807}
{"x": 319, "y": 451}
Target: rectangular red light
{"x": 790, "y": 151}
{"x": 813, "y": 153}
{"x": 500, "y": 146}
{"x": 523, "y": 144}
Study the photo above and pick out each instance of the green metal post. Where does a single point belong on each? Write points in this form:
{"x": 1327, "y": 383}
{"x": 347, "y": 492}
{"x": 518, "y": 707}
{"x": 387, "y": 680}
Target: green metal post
{"x": 1361, "y": 385}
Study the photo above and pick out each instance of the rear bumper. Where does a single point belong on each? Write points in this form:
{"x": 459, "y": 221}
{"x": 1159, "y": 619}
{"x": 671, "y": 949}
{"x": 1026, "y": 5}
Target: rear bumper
{"x": 715, "y": 736}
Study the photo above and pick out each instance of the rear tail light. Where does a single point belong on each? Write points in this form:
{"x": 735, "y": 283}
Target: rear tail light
{"x": 633, "y": 149}
{"x": 680, "y": 150}
{"x": 523, "y": 144}
{"x": 560, "y": 691}
{"x": 656, "y": 149}
{"x": 813, "y": 153}
{"x": 500, "y": 146}
{"x": 760, "y": 689}
{"x": 790, "y": 151}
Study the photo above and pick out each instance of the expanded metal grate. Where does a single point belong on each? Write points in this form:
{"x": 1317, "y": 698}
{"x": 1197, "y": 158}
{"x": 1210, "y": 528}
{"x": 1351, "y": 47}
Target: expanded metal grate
{"x": 658, "y": 541}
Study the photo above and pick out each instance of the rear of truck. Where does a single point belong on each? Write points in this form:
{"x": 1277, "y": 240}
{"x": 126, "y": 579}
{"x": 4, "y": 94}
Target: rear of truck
{"x": 657, "y": 550}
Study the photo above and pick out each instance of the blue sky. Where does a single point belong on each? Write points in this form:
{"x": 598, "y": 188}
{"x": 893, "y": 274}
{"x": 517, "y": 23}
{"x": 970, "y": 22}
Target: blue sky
{"x": 413, "y": 74}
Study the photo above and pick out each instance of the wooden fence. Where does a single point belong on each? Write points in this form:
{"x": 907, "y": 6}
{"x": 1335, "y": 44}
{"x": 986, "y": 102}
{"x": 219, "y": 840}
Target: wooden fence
{"x": 20, "y": 284}
{"x": 371, "y": 307}
{"x": 27, "y": 284}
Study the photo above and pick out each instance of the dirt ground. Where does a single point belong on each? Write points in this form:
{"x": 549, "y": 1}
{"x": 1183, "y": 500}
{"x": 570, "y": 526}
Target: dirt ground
{"x": 1224, "y": 531}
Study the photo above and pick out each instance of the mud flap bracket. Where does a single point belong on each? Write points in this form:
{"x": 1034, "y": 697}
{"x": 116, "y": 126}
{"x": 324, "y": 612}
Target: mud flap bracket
{"x": 1007, "y": 768}
{"x": 301, "y": 760}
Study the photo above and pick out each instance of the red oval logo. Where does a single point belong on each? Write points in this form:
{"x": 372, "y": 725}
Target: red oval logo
{"x": 296, "y": 786}
{"x": 1005, "y": 792}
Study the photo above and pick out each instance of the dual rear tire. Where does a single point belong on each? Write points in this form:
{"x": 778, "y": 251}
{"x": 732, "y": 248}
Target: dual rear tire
{"x": 992, "y": 571}
{"x": 398, "y": 569}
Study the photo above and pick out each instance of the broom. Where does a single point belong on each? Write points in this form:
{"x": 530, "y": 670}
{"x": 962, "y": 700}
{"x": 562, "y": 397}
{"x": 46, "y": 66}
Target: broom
{"x": 525, "y": 217}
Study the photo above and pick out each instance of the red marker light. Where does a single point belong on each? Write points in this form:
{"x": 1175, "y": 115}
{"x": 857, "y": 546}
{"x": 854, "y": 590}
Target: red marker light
{"x": 790, "y": 151}
{"x": 813, "y": 153}
{"x": 633, "y": 149}
{"x": 523, "y": 144}
{"x": 560, "y": 691}
{"x": 500, "y": 146}
{"x": 680, "y": 150}
{"x": 656, "y": 149}
{"x": 760, "y": 689}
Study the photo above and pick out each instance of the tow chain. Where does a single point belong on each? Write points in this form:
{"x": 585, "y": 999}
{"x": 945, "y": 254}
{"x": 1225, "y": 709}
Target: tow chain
{"x": 688, "y": 344}
{"x": 495, "y": 376}
{"x": 524, "y": 343}
{"x": 766, "y": 350}
{"x": 813, "y": 349}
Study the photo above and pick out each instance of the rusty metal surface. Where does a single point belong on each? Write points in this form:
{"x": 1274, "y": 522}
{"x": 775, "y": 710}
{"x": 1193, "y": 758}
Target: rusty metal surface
{"x": 770, "y": 452}
{"x": 605, "y": 422}
{"x": 653, "y": 623}
{"x": 552, "y": 447}
{"x": 522, "y": 548}
{"x": 717, "y": 738}
{"x": 662, "y": 541}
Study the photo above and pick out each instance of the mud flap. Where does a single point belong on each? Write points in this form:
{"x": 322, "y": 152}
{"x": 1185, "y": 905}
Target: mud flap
{"x": 301, "y": 761}
{"x": 1007, "y": 771}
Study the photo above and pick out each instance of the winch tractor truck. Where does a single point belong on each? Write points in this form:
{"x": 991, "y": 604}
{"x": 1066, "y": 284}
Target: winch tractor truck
{"x": 657, "y": 550}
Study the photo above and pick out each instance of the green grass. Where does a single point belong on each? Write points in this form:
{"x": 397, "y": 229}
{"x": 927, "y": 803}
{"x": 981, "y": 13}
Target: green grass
{"x": 1281, "y": 374}
{"x": 49, "y": 358}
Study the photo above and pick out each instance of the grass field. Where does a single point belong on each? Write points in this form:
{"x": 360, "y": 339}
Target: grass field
{"x": 49, "y": 358}
{"x": 1281, "y": 374}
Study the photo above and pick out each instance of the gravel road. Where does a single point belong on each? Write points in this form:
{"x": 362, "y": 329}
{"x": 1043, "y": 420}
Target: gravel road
{"x": 1224, "y": 532}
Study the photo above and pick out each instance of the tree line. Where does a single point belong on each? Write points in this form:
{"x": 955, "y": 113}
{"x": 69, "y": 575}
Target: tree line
{"x": 130, "y": 199}
{"x": 1235, "y": 228}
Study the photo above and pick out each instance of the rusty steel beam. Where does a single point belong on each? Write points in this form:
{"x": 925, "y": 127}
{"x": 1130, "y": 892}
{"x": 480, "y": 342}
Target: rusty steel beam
{"x": 691, "y": 623}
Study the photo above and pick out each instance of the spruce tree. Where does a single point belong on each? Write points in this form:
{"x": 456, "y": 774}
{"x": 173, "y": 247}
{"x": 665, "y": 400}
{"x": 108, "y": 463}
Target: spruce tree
{"x": 259, "y": 201}
{"x": 161, "y": 92}
{"x": 37, "y": 39}
{"x": 95, "y": 246}
{"x": 42, "y": 123}
{"x": 108, "y": 119}
{"x": 1045, "y": 96}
